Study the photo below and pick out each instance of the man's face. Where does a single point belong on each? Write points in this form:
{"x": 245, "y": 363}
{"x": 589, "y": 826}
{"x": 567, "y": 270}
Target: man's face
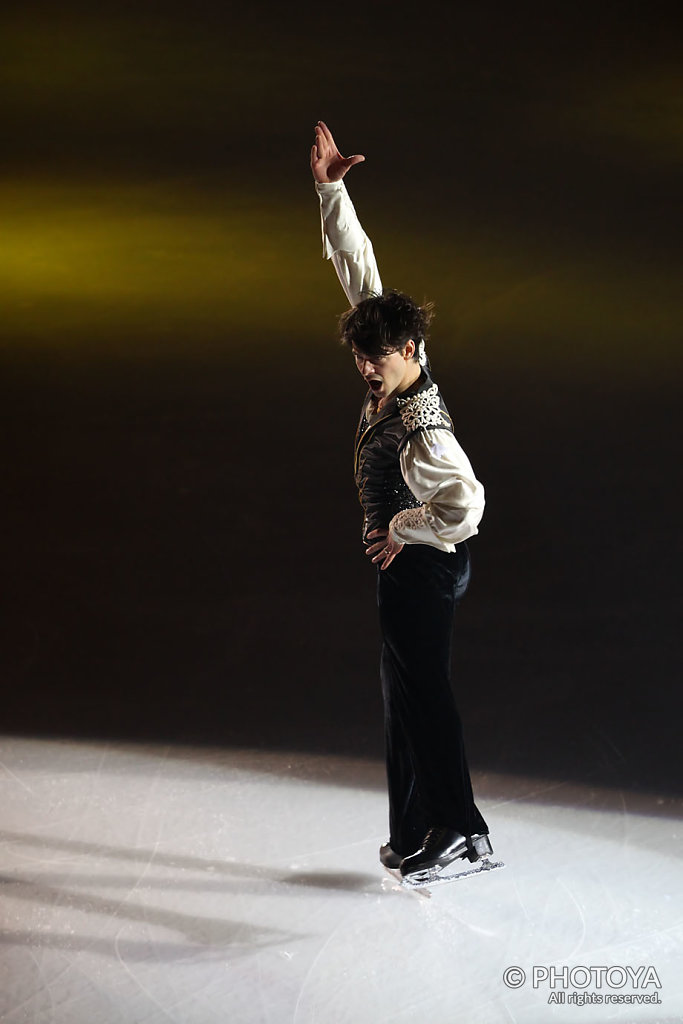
{"x": 390, "y": 374}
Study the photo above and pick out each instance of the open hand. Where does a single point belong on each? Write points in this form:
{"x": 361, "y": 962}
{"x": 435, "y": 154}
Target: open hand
{"x": 384, "y": 549}
{"x": 327, "y": 163}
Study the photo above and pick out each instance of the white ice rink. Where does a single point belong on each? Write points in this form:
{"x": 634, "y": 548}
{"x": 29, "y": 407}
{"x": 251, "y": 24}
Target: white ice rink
{"x": 148, "y": 885}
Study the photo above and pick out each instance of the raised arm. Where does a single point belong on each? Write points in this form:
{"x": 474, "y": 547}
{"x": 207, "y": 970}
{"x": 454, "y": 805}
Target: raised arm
{"x": 344, "y": 241}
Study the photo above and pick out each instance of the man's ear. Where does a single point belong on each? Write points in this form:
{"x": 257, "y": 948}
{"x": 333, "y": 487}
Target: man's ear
{"x": 409, "y": 349}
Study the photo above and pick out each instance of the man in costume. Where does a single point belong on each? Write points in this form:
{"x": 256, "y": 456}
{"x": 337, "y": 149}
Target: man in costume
{"x": 421, "y": 501}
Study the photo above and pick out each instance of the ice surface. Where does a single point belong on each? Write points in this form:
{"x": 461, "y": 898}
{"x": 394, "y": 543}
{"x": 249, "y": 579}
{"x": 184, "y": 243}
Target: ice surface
{"x": 153, "y": 885}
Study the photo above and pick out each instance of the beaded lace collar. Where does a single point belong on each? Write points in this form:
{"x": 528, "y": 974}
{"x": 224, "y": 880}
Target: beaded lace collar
{"x": 421, "y": 410}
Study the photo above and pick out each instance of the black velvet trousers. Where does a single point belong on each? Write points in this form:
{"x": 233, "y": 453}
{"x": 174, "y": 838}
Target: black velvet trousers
{"x": 428, "y": 778}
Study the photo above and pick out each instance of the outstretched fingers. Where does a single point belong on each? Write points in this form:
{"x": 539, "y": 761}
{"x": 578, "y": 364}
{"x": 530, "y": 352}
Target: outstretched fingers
{"x": 324, "y": 130}
{"x": 327, "y": 162}
{"x": 324, "y": 141}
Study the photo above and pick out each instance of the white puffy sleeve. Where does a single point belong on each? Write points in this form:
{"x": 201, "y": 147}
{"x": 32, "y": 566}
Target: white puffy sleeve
{"x": 439, "y": 474}
{"x": 346, "y": 244}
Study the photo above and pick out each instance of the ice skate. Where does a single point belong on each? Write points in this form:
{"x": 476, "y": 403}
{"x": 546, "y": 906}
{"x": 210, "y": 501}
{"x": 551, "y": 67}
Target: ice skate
{"x": 438, "y": 858}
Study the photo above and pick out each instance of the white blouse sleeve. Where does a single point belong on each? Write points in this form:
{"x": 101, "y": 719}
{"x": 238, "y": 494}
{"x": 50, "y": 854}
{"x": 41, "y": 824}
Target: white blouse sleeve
{"x": 439, "y": 474}
{"x": 346, "y": 244}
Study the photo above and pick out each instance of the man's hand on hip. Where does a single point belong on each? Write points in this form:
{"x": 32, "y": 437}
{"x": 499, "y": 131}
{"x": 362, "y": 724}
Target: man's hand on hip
{"x": 384, "y": 549}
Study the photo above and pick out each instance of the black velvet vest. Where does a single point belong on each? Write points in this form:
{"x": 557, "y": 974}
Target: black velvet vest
{"x": 382, "y": 491}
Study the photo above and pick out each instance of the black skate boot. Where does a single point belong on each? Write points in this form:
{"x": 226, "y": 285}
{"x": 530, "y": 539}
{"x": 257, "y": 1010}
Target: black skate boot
{"x": 388, "y": 857}
{"x": 440, "y": 847}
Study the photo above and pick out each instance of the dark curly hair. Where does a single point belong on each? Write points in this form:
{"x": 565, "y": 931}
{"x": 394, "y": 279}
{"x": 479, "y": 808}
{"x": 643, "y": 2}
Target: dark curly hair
{"x": 383, "y": 323}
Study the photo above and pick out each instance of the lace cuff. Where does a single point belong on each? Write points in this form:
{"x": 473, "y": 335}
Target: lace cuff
{"x": 407, "y": 521}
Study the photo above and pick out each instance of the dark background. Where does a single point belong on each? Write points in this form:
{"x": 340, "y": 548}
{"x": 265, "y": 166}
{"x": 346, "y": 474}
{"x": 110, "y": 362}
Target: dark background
{"x": 181, "y": 535}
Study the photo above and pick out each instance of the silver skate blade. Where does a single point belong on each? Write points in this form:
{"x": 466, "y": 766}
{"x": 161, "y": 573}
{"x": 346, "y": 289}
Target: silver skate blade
{"x": 395, "y": 883}
{"x": 439, "y": 876}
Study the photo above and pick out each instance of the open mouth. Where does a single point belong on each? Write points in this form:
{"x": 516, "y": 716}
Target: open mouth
{"x": 375, "y": 383}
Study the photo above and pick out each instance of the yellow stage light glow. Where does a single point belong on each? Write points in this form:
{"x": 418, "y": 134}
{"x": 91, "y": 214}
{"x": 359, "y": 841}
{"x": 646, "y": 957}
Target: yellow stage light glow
{"x": 104, "y": 264}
